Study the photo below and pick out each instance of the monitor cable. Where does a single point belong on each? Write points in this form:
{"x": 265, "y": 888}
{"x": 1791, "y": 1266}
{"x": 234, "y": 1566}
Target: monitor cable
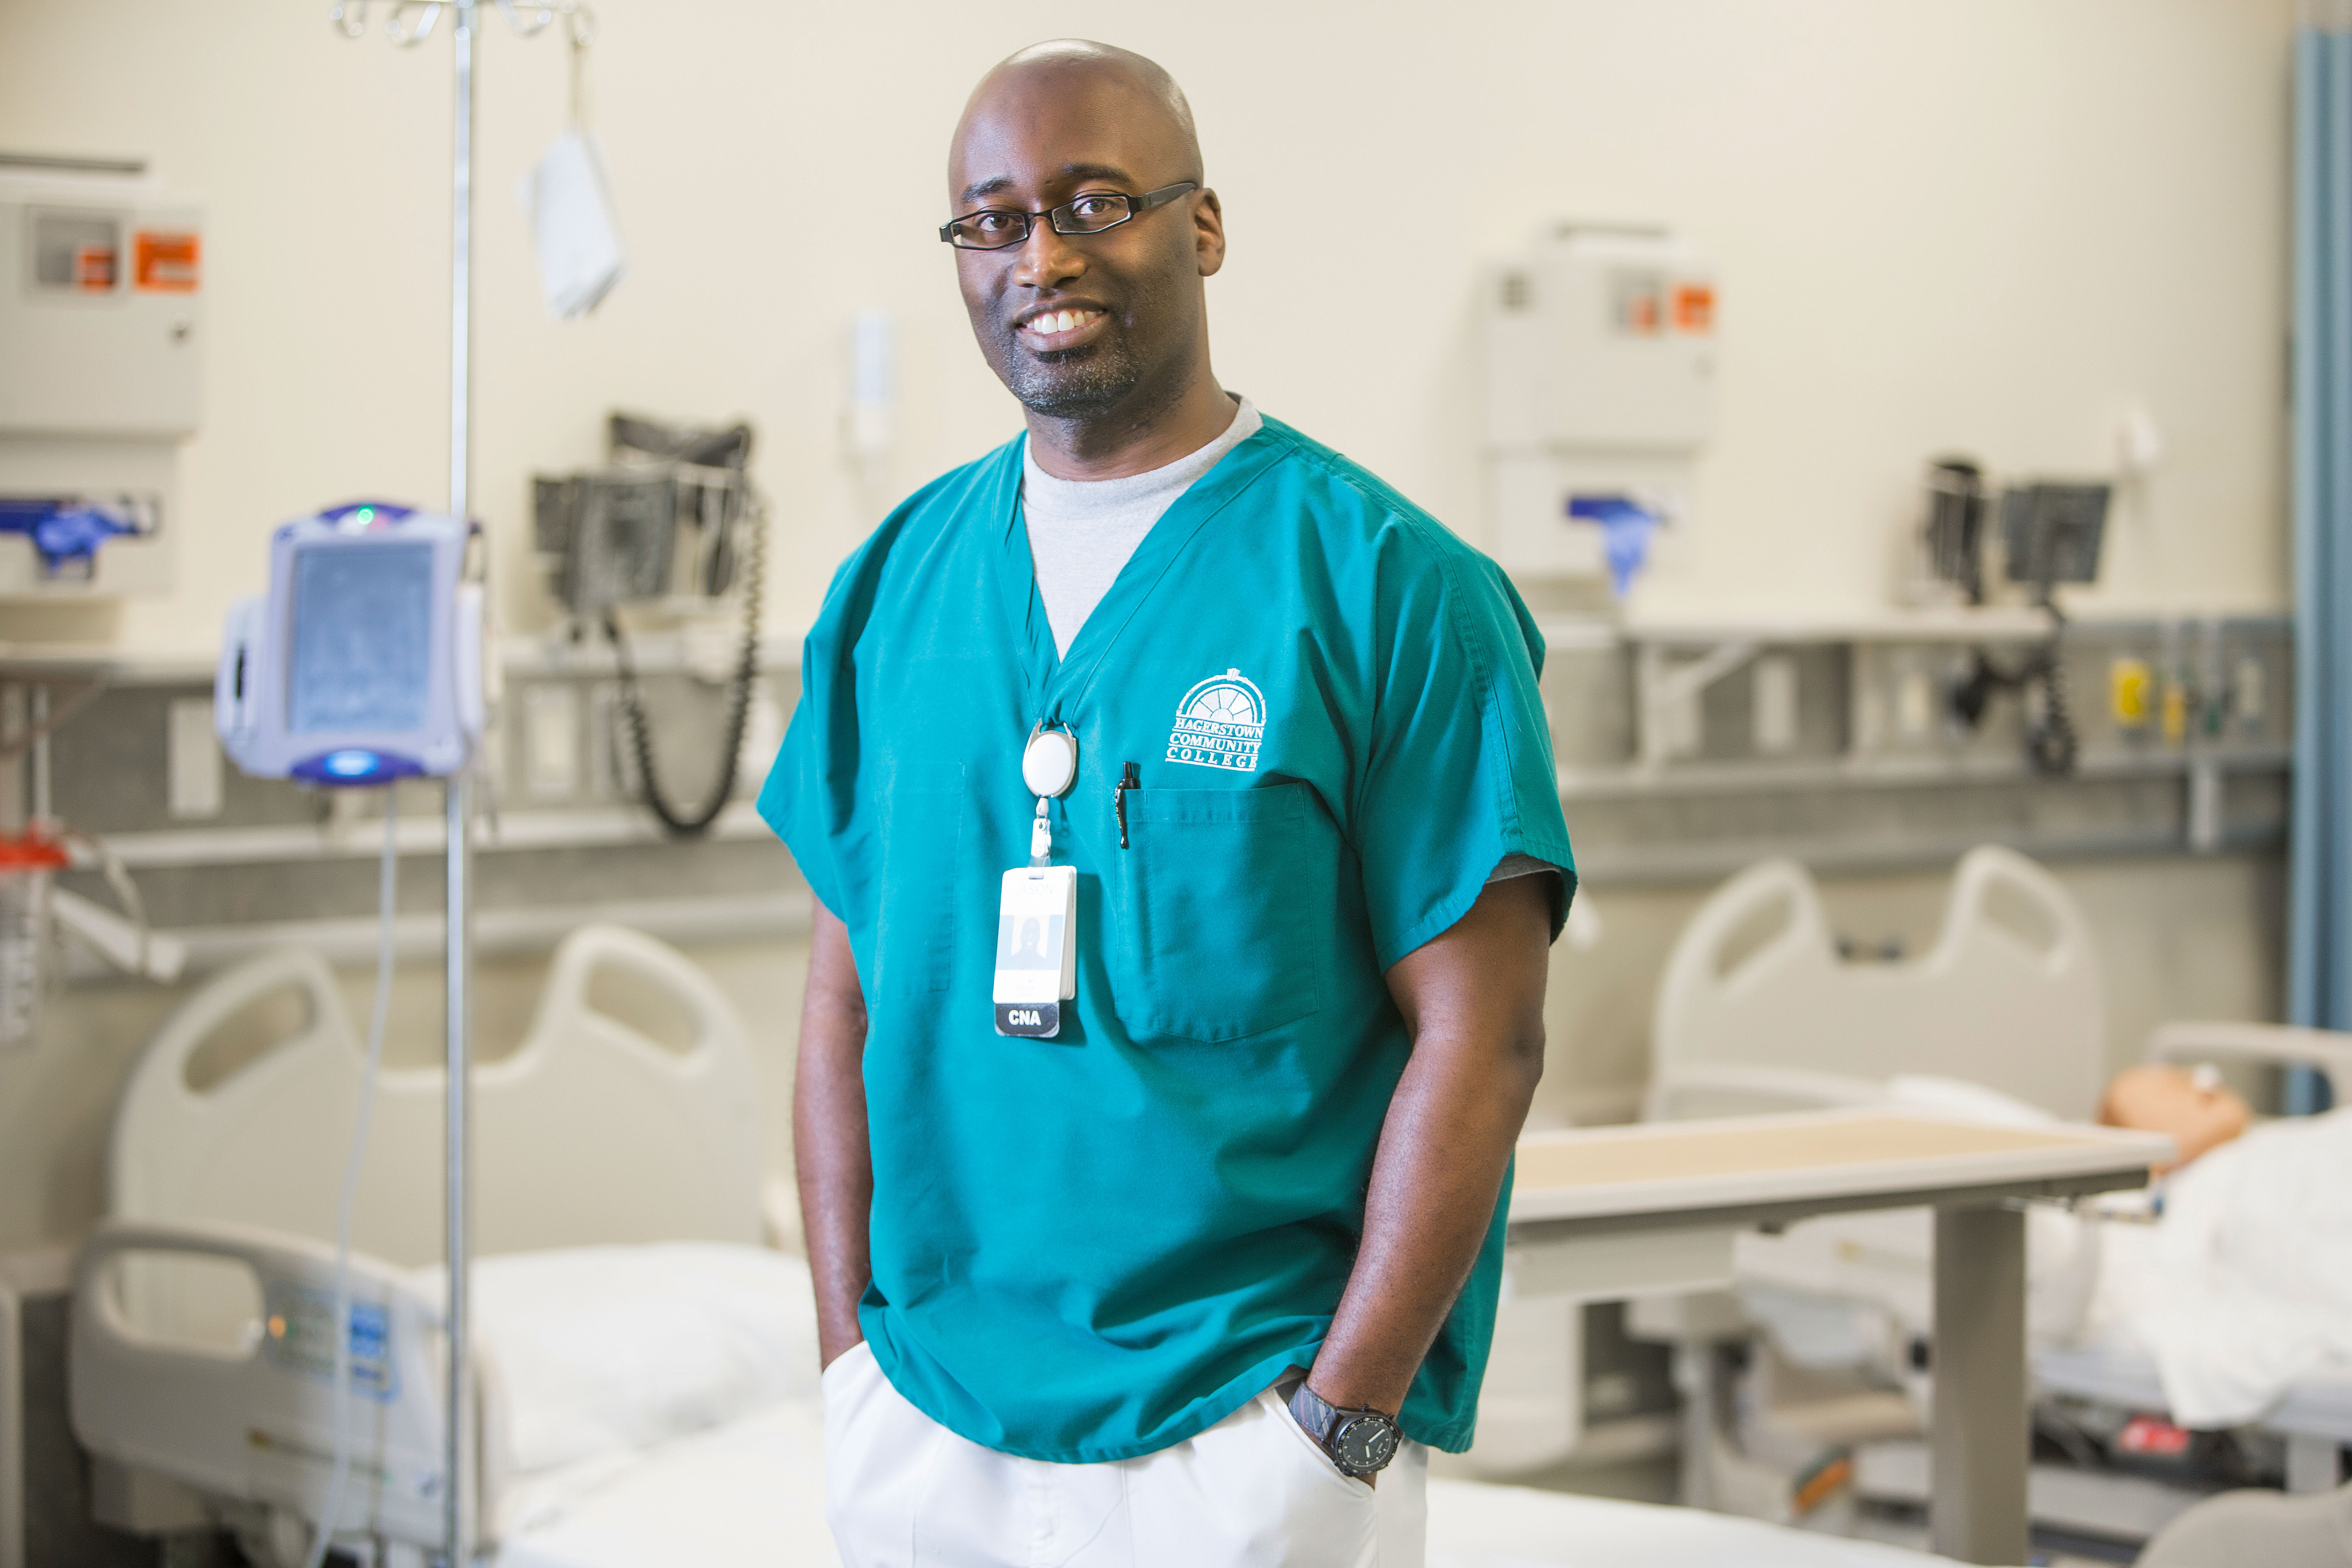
{"x": 387, "y": 889}
{"x": 2052, "y": 744}
{"x": 2049, "y": 738}
{"x": 693, "y": 824}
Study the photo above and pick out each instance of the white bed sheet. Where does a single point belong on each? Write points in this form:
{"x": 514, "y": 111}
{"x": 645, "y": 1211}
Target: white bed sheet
{"x": 2244, "y": 1290}
{"x": 2237, "y": 1307}
{"x": 1472, "y": 1524}
{"x": 751, "y": 1494}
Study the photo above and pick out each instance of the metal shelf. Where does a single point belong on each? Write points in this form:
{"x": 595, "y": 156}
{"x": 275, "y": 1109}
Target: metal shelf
{"x": 1883, "y": 772}
{"x": 584, "y": 828}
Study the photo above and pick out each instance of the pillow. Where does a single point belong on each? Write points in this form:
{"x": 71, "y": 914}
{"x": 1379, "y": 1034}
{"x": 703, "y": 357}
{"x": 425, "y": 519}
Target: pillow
{"x": 605, "y": 1350}
{"x": 1972, "y": 1100}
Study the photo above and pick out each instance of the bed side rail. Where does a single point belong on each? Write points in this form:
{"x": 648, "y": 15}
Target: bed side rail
{"x": 2326, "y": 1051}
{"x": 251, "y": 1416}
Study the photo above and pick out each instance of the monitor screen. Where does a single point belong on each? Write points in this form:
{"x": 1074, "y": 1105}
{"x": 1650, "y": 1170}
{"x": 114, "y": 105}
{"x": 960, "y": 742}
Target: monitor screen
{"x": 362, "y": 653}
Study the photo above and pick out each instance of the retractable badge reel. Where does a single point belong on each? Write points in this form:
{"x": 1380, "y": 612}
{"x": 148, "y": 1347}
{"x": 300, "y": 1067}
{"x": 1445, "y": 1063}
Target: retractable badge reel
{"x": 1036, "y": 923}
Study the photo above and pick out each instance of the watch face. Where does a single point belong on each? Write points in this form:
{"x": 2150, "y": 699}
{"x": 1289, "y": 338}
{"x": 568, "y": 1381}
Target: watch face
{"x": 1364, "y": 1443}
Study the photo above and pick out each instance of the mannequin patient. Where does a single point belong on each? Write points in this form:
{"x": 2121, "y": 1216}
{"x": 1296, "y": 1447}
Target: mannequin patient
{"x": 2192, "y": 1104}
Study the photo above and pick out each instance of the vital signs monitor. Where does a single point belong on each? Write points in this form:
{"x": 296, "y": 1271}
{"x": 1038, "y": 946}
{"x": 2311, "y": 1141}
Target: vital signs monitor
{"x": 364, "y": 663}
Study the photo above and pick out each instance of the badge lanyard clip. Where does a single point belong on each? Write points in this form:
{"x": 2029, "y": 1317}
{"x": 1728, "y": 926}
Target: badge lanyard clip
{"x": 1049, "y": 766}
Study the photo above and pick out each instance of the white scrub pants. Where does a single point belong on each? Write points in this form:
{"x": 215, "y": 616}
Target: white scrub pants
{"x": 1252, "y": 1491}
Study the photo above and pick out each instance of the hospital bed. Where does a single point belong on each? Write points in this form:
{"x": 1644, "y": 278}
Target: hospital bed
{"x": 202, "y": 1340}
{"x": 1759, "y": 1007}
{"x": 599, "y": 1151}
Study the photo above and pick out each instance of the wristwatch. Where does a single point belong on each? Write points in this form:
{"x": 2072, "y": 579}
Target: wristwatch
{"x": 1361, "y": 1442}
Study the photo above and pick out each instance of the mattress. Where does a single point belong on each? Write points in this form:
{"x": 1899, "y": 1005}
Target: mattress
{"x": 2318, "y": 1405}
{"x": 751, "y": 1494}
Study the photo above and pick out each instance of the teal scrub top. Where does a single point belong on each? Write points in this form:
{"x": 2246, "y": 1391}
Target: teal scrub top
{"x": 1092, "y": 1246}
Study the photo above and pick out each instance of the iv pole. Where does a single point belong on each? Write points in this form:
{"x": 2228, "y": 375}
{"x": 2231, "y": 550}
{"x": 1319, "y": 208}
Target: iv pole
{"x": 459, "y": 938}
{"x": 350, "y": 17}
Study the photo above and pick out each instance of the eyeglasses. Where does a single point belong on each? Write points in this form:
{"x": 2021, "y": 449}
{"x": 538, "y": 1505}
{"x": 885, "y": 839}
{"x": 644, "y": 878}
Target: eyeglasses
{"x": 995, "y": 228}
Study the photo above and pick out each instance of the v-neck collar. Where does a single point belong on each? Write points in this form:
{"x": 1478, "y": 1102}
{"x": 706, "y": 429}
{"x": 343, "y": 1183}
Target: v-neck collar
{"x": 1055, "y": 684}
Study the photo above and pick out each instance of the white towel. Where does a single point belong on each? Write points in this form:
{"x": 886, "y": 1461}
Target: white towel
{"x": 570, "y": 214}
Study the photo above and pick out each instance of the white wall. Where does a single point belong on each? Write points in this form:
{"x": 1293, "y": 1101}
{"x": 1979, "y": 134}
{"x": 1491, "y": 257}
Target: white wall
{"x": 1976, "y": 224}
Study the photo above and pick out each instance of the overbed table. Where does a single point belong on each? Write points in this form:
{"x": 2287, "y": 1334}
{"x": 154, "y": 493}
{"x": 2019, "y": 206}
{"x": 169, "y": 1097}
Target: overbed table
{"x": 1611, "y": 1212}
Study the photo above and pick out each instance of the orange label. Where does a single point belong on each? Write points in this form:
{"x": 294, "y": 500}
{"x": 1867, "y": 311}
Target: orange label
{"x": 2147, "y": 1435}
{"x": 1693, "y": 308}
{"x": 94, "y": 267}
{"x": 166, "y": 263}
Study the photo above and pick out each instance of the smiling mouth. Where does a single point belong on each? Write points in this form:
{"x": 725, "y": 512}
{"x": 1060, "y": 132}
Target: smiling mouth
{"x": 1050, "y": 329}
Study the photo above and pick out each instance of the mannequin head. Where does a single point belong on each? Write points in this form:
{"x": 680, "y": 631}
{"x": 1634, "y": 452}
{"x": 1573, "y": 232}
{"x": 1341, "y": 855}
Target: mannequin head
{"x": 2192, "y": 1104}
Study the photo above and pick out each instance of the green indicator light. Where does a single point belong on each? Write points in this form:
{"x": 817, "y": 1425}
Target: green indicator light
{"x": 367, "y": 514}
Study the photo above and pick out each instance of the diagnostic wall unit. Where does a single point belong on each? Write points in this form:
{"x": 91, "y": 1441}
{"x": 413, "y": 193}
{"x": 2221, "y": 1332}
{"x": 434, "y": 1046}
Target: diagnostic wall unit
{"x": 102, "y": 363}
{"x": 1598, "y": 377}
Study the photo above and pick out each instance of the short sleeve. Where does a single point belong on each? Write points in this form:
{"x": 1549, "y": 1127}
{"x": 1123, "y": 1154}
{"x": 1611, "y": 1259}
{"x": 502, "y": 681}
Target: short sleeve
{"x": 810, "y": 795}
{"x": 1458, "y": 775}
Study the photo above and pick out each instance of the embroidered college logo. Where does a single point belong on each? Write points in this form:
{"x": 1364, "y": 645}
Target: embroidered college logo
{"x": 1219, "y": 724}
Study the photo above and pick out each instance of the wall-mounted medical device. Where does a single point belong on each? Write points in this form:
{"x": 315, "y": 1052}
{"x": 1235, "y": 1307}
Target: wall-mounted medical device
{"x": 2050, "y": 533}
{"x": 101, "y": 361}
{"x": 671, "y": 524}
{"x": 364, "y": 662}
{"x": 663, "y": 520}
{"x": 1600, "y": 394}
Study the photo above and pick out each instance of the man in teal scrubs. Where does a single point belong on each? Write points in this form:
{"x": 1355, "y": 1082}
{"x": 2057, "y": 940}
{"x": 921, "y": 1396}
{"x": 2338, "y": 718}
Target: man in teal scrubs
{"x": 1194, "y": 1265}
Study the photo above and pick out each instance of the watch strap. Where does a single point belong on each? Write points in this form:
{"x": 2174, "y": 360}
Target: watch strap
{"x": 1320, "y": 1420}
{"x": 1314, "y": 1414}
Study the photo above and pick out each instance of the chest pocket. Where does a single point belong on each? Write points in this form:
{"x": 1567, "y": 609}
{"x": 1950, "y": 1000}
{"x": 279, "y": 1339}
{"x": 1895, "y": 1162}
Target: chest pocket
{"x": 915, "y": 927}
{"x": 1225, "y": 891}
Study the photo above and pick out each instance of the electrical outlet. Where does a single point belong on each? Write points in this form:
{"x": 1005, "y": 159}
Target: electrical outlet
{"x": 2249, "y": 690}
{"x": 1915, "y": 705}
{"x": 193, "y": 772}
{"x": 612, "y": 763}
{"x": 1683, "y": 724}
{"x": 1772, "y": 705}
{"x": 551, "y": 731}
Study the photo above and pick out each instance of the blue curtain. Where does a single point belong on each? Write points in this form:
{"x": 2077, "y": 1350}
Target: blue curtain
{"x": 2319, "y": 979}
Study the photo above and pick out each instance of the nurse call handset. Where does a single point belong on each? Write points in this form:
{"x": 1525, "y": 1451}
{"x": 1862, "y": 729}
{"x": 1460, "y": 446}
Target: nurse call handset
{"x": 364, "y": 663}
{"x": 1036, "y": 925}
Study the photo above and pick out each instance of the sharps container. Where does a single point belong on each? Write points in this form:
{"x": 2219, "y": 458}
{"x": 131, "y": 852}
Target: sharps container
{"x": 27, "y": 864}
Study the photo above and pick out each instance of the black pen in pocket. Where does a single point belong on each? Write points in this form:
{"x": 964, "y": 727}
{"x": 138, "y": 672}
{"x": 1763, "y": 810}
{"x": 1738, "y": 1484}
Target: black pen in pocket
{"x": 1128, "y": 780}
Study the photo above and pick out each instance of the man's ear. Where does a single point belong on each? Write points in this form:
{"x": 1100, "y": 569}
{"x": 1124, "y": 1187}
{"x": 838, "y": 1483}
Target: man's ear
{"x": 1209, "y": 233}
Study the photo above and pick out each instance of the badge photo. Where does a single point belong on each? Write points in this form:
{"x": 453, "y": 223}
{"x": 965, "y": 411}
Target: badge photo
{"x": 1036, "y": 950}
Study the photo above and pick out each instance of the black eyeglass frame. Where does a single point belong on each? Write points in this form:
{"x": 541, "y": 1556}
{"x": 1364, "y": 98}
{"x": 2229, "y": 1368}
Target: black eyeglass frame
{"x": 1136, "y": 207}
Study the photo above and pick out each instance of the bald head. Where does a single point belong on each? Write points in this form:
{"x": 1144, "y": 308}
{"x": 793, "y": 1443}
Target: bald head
{"x": 1140, "y": 89}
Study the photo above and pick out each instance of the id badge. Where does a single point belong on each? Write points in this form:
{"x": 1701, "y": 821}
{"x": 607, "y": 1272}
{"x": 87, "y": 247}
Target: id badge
{"x": 1036, "y": 949}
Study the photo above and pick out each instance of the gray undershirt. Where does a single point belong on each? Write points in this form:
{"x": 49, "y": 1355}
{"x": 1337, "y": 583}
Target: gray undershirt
{"x": 1082, "y": 532}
